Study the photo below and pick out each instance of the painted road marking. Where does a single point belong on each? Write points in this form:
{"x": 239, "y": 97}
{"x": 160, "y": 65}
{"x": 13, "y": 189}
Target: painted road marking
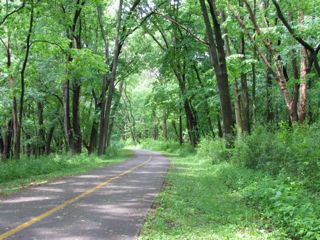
{"x": 68, "y": 202}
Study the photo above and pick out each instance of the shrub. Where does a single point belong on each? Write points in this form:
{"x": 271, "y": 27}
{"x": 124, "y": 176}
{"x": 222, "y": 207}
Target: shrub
{"x": 281, "y": 200}
{"x": 260, "y": 149}
{"x": 168, "y": 146}
{"x": 294, "y": 151}
{"x": 215, "y": 150}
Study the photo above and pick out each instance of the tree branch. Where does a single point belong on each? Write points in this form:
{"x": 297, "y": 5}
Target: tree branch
{"x": 13, "y": 12}
{"x": 290, "y": 29}
{"x": 183, "y": 27}
{"x": 51, "y": 43}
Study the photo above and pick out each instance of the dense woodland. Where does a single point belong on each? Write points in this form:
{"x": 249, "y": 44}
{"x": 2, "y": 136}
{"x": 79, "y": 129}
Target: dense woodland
{"x": 215, "y": 68}
{"x": 237, "y": 80}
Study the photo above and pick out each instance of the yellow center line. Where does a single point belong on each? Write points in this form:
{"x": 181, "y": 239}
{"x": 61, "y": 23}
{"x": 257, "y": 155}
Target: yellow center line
{"x": 68, "y": 202}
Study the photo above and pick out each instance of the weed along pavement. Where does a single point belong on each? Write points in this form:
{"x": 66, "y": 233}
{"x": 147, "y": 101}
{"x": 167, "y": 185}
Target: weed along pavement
{"x": 108, "y": 203}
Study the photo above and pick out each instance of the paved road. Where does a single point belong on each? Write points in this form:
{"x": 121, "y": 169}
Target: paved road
{"x": 109, "y": 203}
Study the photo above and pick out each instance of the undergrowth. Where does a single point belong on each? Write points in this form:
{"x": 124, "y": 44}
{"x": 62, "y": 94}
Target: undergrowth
{"x": 17, "y": 174}
{"x": 197, "y": 204}
{"x": 275, "y": 172}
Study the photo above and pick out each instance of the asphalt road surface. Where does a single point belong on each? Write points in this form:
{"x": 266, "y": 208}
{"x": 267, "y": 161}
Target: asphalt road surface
{"x": 108, "y": 203}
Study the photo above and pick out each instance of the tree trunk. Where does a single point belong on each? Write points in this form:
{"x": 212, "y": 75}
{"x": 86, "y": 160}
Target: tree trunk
{"x": 7, "y": 140}
{"x": 190, "y": 118}
{"x": 237, "y": 107}
{"x": 1, "y": 145}
{"x": 175, "y": 130}
{"x": 114, "y": 110}
{"x": 16, "y": 132}
{"x": 303, "y": 79}
{"x": 93, "y": 138}
{"x": 49, "y": 140}
{"x": 296, "y": 87}
{"x": 206, "y": 104}
{"x": 41, "y": 133}
{"x": 118, "y": 44}
{"x": 220, "y": 132}
{"x": 180, "y": 129}
{"x": 303, "y": 86}
{"x": 254, "y": 77}
{"x": 278, "y": 74}
{"x": 245, "y": 94}
{"x": 73, "y": 132}
{"x": 218, "y": 60}
{"x": 66, "y": 115}
{"x": 269, "y": 111}
{"x": 77, "y": 137}
{"x": 165, "y": 128}
{"x": 22, "y": 79}
{"x": 155, "y": 131}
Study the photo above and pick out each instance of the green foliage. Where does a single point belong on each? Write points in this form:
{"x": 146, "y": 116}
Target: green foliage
{"x": 196, "y": 204}
{"x": 216, "y": 150}
{"x": 276, "y": 171}
{"x": 259, "y": 149}
{"x": 292, "y": 151}
{"x": 168, "y": 146}
{"x": 86, "y": 64}
{"x": 282, "y": 201}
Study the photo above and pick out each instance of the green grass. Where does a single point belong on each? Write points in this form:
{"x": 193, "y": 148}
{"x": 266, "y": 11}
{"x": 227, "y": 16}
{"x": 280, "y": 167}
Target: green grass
{"x": 16, "y": 175}
{"x": 197, "y": 204}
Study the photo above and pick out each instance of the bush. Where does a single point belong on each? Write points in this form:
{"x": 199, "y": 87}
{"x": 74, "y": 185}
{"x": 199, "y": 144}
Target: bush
{"x": 294, "y": 151}
{"x": 168, "y": 146}
{"x": 260, "y": 149}
{"x": 281, "y": 200}
{"x": 215, "y": 150}
{"x": 274, "y": 171}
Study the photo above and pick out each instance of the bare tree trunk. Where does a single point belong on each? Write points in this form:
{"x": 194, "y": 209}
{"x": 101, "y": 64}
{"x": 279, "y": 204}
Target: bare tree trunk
{"x": 180, "y": 129}
{"x": 41, "y": 133}
{"x": 49, "y": 140}
{"x": 66, "y": 115}
{"x": 12, "y": 125}
{"x": 190, "y": 123}
{"x": 245, "y": 95}
{"x": 175, "y": 130}
{"x": 7, "y": 140}
{"x": 220, "y": 132}
{"x": 165, "y": 128}
{"x": 237, "y": 107}
{"x": 118, "y": 44}
{"x": 16, "y": 133}
{"x": 296, "y": 87}
{"x": 22, "y": 78}
{"x": 94, "y": 128}
{"x": 155, "y": 132}
{"x": 269, "y": 111}
{"x": 77, "y": 137}
{"x": 73, "y": 132}
{"x": 93, "y": 138}
{"x": 303, "y": 81}
{"x": 1, "y": 145}
{"x": 113, "y": 112}
{"x": 218, "y": 59}
{"x": 303, "y": 86}
{"x": 206, "y": 106}
{"x": 254, "y": 77}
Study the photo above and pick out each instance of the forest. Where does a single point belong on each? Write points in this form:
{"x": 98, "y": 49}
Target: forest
{"x": 228, "y": 88}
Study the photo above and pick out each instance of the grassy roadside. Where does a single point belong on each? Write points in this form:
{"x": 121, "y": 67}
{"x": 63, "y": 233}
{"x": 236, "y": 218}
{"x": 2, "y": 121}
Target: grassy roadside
{"x": 197, "y": 204}
{"x": 16, "y": 175}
